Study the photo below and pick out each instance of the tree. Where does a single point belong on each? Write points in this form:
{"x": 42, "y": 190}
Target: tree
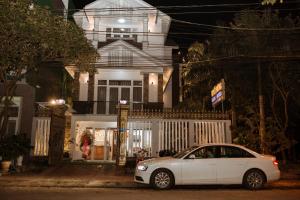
{"x": 255, "y": 39}
{"x": 272, "y": 2}
{"x": 198, "y": 78}
{"x": 31, "y": 35}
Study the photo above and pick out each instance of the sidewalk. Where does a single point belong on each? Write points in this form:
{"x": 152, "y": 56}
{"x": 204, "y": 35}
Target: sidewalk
{"x": 101, "y": 176}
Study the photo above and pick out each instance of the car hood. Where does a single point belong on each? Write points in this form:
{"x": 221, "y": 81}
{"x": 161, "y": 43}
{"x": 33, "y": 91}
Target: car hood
{"x": 156, "y": 160}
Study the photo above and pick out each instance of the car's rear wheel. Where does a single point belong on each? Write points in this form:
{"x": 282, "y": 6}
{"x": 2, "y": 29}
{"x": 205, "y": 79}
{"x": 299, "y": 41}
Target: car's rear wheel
{"x": 254, "y": 179}
{"x": 162, "y": 179}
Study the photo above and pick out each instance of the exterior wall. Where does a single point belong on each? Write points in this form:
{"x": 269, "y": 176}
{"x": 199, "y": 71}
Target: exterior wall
{"x": 146, "y": 50}
{"x": 83, "y": 86}
{"x": 156, "y": 134}
{"x": 160, "y": 88}
{"x": 167, "y": 97}
{"x": 91, "y": 85}
{"x": 76, "y": 86}
{"x": 153, "y": 87}
{"x": 146, "y": 88}
{"x": 27, "y": 107}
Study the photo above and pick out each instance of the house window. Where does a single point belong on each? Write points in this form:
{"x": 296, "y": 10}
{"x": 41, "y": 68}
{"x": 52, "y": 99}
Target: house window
{"x": 137, "y": 95}
{"x": 110, "y": 94}
{"x": 118, "y": 33}
{"x": 120, "y": 58}
{"x": 102, "y": 82}
{"x": 14, "y": 113}
{"x": 108, "y": 32}
{"x": 114, "y": 82}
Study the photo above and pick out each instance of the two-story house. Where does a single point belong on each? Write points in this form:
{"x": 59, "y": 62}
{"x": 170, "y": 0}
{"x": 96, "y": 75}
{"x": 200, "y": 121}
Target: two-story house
{"x": 136, "y": 65}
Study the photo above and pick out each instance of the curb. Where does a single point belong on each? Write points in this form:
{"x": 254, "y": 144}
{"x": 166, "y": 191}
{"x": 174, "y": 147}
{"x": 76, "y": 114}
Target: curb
{"x": 6, "y": 183}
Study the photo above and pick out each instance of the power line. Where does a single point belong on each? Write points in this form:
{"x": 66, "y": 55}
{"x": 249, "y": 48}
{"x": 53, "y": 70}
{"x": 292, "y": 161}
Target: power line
{"x": 235, "y": 28}
{"x": 182, "y": 13}
{"x": 172, "y": 7}
{"x": 140, "y": 33}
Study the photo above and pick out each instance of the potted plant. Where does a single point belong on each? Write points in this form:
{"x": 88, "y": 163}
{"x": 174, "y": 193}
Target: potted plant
{"x": 11, "y": 147}
{"x": 22, "y": 147}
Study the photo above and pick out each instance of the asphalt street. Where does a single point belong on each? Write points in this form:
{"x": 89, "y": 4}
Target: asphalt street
{"x": 145, "y": 194}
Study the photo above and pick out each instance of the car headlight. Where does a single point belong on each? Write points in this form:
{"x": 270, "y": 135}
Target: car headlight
{"x": 142, "y": 167}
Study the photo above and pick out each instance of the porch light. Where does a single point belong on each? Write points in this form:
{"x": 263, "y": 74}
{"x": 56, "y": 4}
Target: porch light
{"x": 121, "y": 20}
{"x": 57, "y": 102}
{"x": 123, "y": 102}
{"x": 52, "y": 102}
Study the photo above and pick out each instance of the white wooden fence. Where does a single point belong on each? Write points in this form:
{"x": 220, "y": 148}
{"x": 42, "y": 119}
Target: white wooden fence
{"x": 40, "y": 135}
{"x": 154, "y": 135}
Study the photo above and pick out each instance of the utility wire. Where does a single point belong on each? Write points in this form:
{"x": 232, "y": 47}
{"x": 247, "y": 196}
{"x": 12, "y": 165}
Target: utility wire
{"x": 235, "y": 28}
{"x": 171, "y": 7}
{"x": 182, "y": 13}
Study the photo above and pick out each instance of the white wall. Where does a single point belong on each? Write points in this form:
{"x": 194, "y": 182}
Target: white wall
{"x": 83, "y": 86}
{"x": 167, "y": 96}
{"x": 153, "y": 87}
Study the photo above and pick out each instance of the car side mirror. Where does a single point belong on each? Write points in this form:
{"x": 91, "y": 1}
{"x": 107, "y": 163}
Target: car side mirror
{"x": 192, "y": 156}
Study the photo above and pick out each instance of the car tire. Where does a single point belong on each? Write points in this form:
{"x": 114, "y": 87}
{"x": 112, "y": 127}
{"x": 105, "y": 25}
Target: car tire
{"x": 162, "y": 179}
{"x": 254, "y": 179}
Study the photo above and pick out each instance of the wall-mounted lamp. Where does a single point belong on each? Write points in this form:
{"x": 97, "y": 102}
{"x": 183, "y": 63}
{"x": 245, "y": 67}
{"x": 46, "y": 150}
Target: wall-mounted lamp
{"x": 123, "y": 102}
{"x": 121, "y": 20}
{"x": 57, "y": 102}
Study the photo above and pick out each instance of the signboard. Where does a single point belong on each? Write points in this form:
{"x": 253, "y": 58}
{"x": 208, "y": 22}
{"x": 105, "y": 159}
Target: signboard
{"x": 218, "y": 93}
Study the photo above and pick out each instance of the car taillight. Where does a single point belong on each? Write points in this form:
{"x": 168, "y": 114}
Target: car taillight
{"x": 275, "y": 162}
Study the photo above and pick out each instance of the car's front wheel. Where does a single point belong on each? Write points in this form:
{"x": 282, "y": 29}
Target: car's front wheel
{"x": 162, "y": 179}
{"x": 254, "y": 179}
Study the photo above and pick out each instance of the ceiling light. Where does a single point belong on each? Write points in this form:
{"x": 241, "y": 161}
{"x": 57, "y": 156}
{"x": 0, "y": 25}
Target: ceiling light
{"x": 121, "y": 20}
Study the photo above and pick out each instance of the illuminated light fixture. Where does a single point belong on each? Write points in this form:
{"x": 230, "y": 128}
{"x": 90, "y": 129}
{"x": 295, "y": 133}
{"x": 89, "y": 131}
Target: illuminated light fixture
{"x": 121, "y": 20}
{"x": 57, "y": 102}
{"x": 53, "y": 102}
{"x": 123, "y": 102}
{"x": 122, "y": 29}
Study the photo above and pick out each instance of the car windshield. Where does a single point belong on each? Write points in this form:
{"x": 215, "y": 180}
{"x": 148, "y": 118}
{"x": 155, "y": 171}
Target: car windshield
{"x": 184, "y": 152}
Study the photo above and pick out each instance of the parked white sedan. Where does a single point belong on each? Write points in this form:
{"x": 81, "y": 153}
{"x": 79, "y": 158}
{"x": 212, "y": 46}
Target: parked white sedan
{"x": 209, "y": 164}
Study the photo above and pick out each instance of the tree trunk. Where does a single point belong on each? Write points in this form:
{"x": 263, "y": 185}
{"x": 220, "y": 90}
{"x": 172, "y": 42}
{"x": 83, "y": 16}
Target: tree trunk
{"x": 262, "y": 126}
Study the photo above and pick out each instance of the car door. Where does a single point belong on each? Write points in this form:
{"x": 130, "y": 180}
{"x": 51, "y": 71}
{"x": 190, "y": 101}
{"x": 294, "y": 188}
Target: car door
{"x": 231, "y": 164}
{"x": 199, "y": 167}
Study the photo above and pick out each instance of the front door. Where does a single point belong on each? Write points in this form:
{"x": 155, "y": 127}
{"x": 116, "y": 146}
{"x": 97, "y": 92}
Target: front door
{"x": 103, "y": 144}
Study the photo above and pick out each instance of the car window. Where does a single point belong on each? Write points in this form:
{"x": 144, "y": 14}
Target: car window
{"x": 234, "y": 152}
{"x": 184, "y": 152}
{"x": 205, "y": 152}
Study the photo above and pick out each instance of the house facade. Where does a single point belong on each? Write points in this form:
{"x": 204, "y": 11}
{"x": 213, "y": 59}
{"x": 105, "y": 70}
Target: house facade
{"x": 136, "y": 66}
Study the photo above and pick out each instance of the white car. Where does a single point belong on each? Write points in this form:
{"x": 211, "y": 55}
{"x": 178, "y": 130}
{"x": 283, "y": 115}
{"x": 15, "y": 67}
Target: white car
{"x": 209, "y": 164}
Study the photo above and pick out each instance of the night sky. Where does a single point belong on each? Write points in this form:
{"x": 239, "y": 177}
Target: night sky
{"x": 212, "y": 18}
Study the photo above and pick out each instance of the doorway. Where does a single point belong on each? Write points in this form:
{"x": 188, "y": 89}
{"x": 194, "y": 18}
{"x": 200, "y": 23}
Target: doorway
{"x": 104, "y": 147}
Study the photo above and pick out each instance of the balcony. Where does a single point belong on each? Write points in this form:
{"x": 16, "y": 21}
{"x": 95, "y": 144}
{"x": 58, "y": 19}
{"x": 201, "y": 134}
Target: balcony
{"x": 109, "y": 107}
{"x": 132, "y": 41}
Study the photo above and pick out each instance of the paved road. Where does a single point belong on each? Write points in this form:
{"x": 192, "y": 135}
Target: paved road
{"x": 145, "y": 194}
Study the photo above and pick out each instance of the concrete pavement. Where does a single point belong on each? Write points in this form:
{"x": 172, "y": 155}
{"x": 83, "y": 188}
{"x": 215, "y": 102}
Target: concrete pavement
{"x": 102, "y": 176}
{"x": 107, "y": 182}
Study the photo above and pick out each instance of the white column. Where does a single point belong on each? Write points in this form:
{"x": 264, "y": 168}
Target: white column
{"x": 176, "y": 135}
{"x": 145, "y": 29}
{"x": 96, "y": 29}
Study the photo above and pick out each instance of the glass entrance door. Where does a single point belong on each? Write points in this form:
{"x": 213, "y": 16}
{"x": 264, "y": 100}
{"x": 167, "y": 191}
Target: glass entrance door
{"x": 103, "y": 148}
{"x": 115, "y": 95}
